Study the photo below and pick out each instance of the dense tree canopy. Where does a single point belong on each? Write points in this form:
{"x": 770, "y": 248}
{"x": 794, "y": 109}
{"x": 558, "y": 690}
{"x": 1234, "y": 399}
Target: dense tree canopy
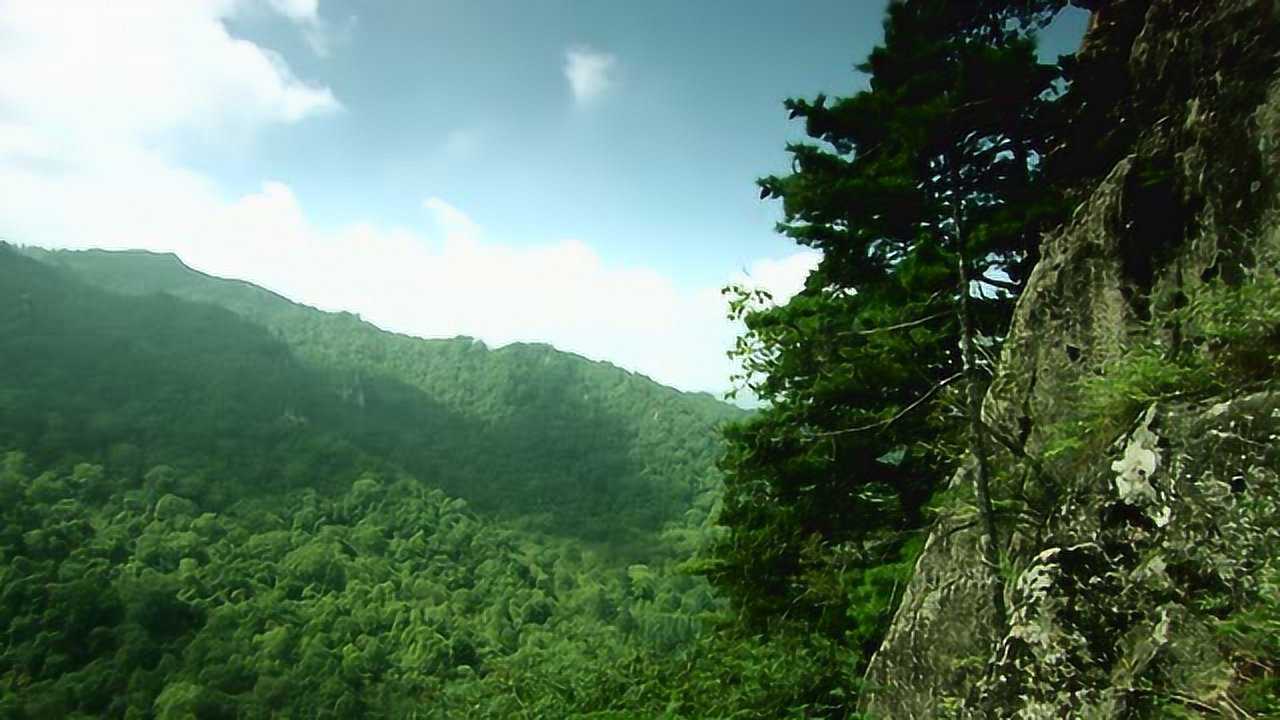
{"x": 134, "y": 360}
{"x": 922, "y": 194}
{"x": 215, "y": 503}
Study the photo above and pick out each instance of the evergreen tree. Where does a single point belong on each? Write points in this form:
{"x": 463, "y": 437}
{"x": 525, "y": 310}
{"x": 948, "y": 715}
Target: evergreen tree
{"x": 921, "y": 192}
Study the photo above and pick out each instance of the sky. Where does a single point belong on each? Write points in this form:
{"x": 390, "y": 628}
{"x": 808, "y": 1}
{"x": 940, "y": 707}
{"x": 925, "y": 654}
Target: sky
{"x": 578, "y": 172}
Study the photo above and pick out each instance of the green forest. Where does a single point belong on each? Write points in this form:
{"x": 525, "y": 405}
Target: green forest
{"x": 218, "y": 503}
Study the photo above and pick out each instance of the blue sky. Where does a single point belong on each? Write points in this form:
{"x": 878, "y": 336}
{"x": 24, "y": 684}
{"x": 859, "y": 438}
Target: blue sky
{"x": 469, "y": 101}
{"x": 579, "y": 173}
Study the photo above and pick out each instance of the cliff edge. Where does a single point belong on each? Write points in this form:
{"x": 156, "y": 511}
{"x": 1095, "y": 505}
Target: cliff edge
{"x": 1132, "y": 539}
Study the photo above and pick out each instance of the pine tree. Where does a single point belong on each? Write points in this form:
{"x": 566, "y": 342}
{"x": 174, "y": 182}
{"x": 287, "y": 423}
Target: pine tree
{"x": 921, "y": 192}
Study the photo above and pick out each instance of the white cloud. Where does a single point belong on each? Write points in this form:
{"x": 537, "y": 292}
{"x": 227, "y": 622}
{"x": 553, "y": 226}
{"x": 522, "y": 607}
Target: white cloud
{"x": 450, "y": 279}
{"x": 137, "y": 70}
{"x": 456, "y": 225}
{"x": 306, "y": 15}
{"x": 88, "y": 99}
{"x": 299, "y": 11}
{"x": 781, "y": 277}
{"x": 590, "y": 73}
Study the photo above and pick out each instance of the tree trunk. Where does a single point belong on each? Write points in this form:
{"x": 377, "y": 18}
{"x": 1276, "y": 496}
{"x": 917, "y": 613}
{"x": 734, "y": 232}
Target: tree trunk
{"x": 973, "y": 409}
{"x": 978, "y": 446}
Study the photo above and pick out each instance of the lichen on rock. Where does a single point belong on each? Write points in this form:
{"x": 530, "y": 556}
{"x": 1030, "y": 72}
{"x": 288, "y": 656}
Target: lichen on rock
{"x": 1136, "y": 468}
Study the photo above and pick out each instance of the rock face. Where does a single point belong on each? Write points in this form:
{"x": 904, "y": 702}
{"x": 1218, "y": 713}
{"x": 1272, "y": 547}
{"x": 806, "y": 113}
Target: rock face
{"x": 1105, "y": 584}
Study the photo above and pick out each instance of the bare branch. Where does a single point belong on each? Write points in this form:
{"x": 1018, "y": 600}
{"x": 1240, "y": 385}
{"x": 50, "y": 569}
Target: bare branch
{"x": 1003, "y": 284}
{"x": 899, "y": 326}
{"x": 991, "y": 361}
{"x": 897, "y": 416}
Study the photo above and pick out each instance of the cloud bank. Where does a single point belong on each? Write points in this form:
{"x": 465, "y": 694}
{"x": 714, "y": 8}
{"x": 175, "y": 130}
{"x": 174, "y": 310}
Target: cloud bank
{"x": 90, "y": 102}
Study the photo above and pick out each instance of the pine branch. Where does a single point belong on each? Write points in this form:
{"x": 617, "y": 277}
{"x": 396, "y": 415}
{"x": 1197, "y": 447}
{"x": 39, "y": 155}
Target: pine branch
{"x": 898, "y": 326}
{"x": 897, "y": 416}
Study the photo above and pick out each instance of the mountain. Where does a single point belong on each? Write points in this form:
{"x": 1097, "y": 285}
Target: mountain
{"x": 216, "y": 503}
{"x": 135, "y": 360}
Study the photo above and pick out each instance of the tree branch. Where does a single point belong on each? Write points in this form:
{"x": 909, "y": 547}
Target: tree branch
{"x": 899, "y": 326}
{"x": 1003, "y": 284}
{"x": 897, "y": 416}
{"x": 991, "y": 361}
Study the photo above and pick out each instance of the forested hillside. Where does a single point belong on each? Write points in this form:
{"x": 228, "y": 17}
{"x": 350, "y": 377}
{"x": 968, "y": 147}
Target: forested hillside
{"x": 261, "y": 509}
{"x": 1016, "y": 455}
{"x": 566, "y": 445}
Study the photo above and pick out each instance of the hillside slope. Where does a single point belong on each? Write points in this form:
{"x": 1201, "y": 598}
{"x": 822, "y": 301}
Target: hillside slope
{"x": 236, "y": 512}
{"x": 571, "y": 446}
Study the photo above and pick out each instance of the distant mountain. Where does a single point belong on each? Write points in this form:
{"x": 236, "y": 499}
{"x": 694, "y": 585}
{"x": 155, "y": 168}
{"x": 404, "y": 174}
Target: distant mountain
{"x": 134, "y": 359}
{"x": 217, "y": 503}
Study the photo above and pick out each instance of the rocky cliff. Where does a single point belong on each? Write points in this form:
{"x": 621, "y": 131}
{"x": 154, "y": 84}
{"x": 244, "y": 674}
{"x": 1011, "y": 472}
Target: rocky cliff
{"x": 1136, "y": 527}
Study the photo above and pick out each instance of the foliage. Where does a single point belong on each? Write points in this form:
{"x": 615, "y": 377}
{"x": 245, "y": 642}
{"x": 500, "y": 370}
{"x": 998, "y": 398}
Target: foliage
{"x": 210, "y": 516}
{"x": 1236, "y": 325}
{"x": 1252, "y": 639}
{"x": 389, "y": 600}
{"x": 1110, "y": 401}
{"x": 243, "y": 388}
{"x": 1224, "y": 339}
{"x": 934, "y": 167}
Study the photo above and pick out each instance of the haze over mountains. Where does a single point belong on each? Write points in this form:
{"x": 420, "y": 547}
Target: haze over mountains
{"x": 192, "y": 366}
{"x": 219, "y": 503}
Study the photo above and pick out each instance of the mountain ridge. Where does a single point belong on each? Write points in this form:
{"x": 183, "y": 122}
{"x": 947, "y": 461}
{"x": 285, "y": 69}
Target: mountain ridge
{"x": 72, "y": 259}
{"x": 592, "y": 449}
